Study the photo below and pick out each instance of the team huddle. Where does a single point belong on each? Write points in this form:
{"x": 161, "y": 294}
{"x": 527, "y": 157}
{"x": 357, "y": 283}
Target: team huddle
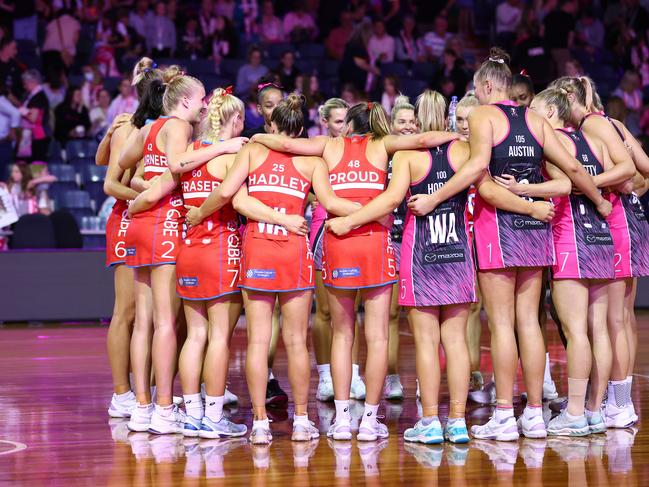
{"x": 406, "y": 213}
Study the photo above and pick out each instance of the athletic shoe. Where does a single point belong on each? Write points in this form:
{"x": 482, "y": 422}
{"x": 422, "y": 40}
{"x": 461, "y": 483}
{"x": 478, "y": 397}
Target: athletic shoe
{"x": 340, "y": 430}
{"x": 632, "y": 413}
{"x": 343, "y": 454}
{"x": 456, "y": 454}
{"x": 325, "y": 390}
{"x": 141, "y": 418}
{"x": 223, "y": 428}
{"x": 275, "y": 396}
{"x": 505, "y": 430}
{"x": 570, "y": 448}
{"x": 615, "y": 417}
{"x": 426, "y": 456}
{"x": 357, "y": 389}
{"x": 303, "y": 451}
{"x": 177, "y": 400}
{"x": 549, "y": 391}
{"x": 456, "y": 432}
{"x": 486, "y": 395}
{"x": 369, "y": 453}
{"x": 559, "y": 404}
{"x": 192, "y": 426}
{"x": 502, "y": 455}
{"x": 533, "y": 427}
{"x": 260, "y": 435}
{"x": 372, "y": 430}
{"x": 596, "y": 422}
{"x": 392, "y": 388}
{"x": 169, "y": 424}
{"x": 429, "y": 434}
{"x": 122, "y": 409}
{"x": 304, "y": 431}
{"x": 562, "y": 426}
{"x": 532, "y": 452}
{"x": 229, "y": 398}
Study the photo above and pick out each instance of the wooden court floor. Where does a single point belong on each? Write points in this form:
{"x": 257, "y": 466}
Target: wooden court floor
{"x": 54, "y": 430}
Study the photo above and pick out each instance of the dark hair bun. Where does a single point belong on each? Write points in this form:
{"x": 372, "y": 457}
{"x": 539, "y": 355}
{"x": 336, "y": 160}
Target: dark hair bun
{"x": 295, "y": 101}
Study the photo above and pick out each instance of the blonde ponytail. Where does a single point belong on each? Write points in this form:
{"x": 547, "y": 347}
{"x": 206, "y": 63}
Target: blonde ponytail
{"x": 222, "y": 107}
{"x": 431, "y": 111}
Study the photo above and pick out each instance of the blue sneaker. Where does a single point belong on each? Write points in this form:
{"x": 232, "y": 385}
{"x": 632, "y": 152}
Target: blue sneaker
{"x": 223, "y": 428}
{"x": 192, "y": 426}
{"x": 456, "y": 431}
{"x": 564, "y": 426}
{"x": 429, "y": 433}
{"x": 595, "y": 422}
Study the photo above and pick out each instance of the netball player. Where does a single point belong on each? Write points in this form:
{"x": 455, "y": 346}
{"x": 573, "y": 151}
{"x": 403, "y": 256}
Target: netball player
{"x": 630, "y": 240}
{"x": 584, "y": 264}
{"x": 152, "y": 247}
{"x": 362, "y": 260}
{"x": 522, "y": 89}
{"x": 437, "y": 277}
{"x": 276, "y": 263}
{"x": 116, "y": 184}
{"x": 332, "y": 113}
{"x": 509, "y": 139}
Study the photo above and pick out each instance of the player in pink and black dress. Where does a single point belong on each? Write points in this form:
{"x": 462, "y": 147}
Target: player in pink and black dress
{"x": 437, "y": 275}
{"x": 512, "y": 248}
{"x": 631, "y": 244}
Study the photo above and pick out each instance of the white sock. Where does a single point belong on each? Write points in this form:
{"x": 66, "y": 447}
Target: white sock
{"x": 342, "y": 410}
{"x": 629, "y": 379}
{"x": 546, "y": 374}
{"x": 164, "y": 411}
{"x": 370, "y": 413}
{"x": 128, "y": 396}
{"x": 270, "y": 375}
{"x": 193, "y": 405}
{"x": 324, "y": 370}
{"x": 214, "y": 408}
{"x": 301, "y": 418}
{"x": 530, "y": 411}
{"x": 502, "y": 414}
{"x": 261, "y": 423}
{"x": 355, "y": 371}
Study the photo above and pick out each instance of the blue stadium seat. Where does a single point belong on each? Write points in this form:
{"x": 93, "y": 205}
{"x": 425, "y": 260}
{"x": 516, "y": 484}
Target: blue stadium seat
{"x": 92, "y": 173}
{"x": 75, "y": 199}
{"x": 76, "y": 149}
{"x": 394, "y": 69}
{"x": 201, "y": 66}
{"x": 412, "y": 87}
{"x": 58, "y": 189}
{"x": 328, "y": 68}
{"x": 306, "y": 66}
{"x": 424, "y": 71}
{"x": 80, "y": 162}
{"x": 63, "y": 172}
{"x": 25, "y": 46}
{"x": 311, "y": 51}
{"x": 55, "y": 153}
{"x": 274, "y": 51}
{"x": 111, "y": 84}
{"x": 96, "y": 191}
{"x": 230, "y": 67}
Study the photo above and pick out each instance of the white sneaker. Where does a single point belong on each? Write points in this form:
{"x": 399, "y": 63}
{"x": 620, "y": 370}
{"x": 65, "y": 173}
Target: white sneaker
{"x": 165, "y": 422}
{"x": 505, "y": 430}
{"x": 340, "y": 430}
{"x": 325, "y": 390}
{"x": 631, "y": 408}
{"x": 392, "y": 388}
{"x": 357, "y": 389}
{"x": 533, "y": 427}
{"x": 260, "y": 435}
{"x": 141, "y": 418}
{"x": 304, "y": 431}
{"x": 229, "y": 398}
{"x": 615, "y": 417}
{"x": 486, "y": 395}
{"x": 123, "y": 408}
{"x": 372, "y": 430}
{"x": 549, "y": 391}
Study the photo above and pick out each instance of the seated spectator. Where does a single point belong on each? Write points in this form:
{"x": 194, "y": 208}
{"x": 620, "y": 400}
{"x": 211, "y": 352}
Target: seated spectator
{"x": 629, "y": 91}
{"x": 61, "y": 37}
{"x": 390, "y": 92}
{"x": 126, "y": 101}
{"x": 407, "y": 42}
{"x": 640, "y": 59}
{"x": 93, "y": 83}
{"x": 287, "y": 71}
{"x": 249, "y": 73}
{"x": 109, "y": 40}
{"x": 299, "y": 26}
{"x": 508, "y": 16}
{"x": 71, "y": 117}
{"x": 339, "y": 36}
{"x": 433, "y": 42}
{"x": 453, "y": 68}
{"x": 191, "y": 40}
{"x": 531, "y": 54}
{"x": 224, "y": 39}
{"x": 54, "y": 87}
{"x": 590, "y": 31}
{"x": 141, "y": 17}
{"x": 448, "y": 88}
{"x": 35, "y": 111}
{"x": 161, "y": 33}
{"x": 381, "y": 47}
{"x": 18, "y": 186}
{"x": 573, "y": 69}
{"x": 10, "y": 70}
{"x": 99, "y": 114}
{"x": 225, "y": 8}
{"x": 9, "y": 123}
{"x": 270, "y": 27}
{"x": 39, "y": 185}
{"x": 349, "y": 93}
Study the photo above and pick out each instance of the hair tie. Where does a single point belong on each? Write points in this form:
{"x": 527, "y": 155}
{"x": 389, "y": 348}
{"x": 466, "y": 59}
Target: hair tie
{"x": 524, "y": 73}
{"x": 227, "y": 91}
{"x": 262, "y": 86}
{"x": 499, "y": 61}
{"x": 369, "y": 105}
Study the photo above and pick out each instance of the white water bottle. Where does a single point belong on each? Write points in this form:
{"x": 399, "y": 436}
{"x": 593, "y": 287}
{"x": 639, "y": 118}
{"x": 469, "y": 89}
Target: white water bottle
{"x": 452, "y": 125}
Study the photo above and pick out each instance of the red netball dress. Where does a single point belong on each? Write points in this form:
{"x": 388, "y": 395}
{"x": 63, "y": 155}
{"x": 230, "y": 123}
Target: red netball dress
{"x": 154, "y": 235}
{"x": 364, "y": 257}
{"x": 275, "y": 260}
{"x": 116, "y": 226}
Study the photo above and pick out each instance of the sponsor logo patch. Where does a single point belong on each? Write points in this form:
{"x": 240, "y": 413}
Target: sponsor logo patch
{"x": 260, "y": 273}
{"x": 130, "y": 251}
{"x": 528, "y": 224}
{"x": 444, "y": 256}
{"x": 188, "y": 281}
{"x": 346, "y": 272}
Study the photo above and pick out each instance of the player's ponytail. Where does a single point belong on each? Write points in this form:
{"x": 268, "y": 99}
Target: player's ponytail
{"x": 288, "y": 115}
{"x": 495, "y": 69}
{"x": 431, "y": 111}
{"x": 368, "y": 118}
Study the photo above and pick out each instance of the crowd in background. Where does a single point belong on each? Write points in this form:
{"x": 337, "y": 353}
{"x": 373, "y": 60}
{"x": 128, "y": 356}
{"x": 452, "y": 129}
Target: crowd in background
{"x": 64, "y": 65}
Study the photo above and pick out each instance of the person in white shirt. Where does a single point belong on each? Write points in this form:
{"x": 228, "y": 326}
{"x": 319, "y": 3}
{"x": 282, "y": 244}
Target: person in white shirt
{"x": 126, "y": 101}
{"x": 434, "y": 42}
{"x": 508, "y": 16}
{"x": 9, "y": 122}
{"x": 381, "y": 46}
